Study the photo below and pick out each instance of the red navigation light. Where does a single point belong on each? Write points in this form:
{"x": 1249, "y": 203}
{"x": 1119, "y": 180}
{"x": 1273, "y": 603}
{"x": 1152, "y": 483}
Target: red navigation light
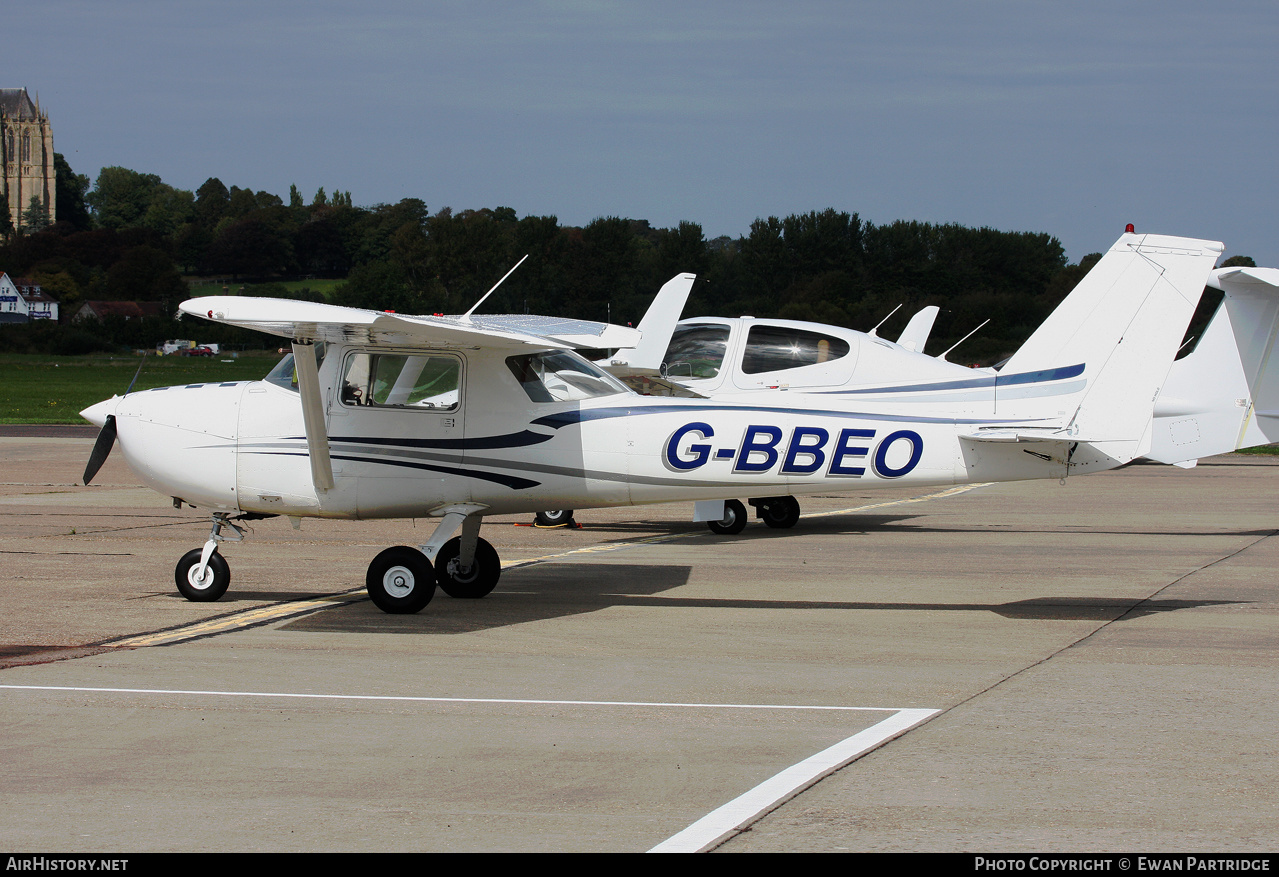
{"x": 210, "y": 315}
{"x": 1130, "y": 229}
{"x": 388, "y": 312}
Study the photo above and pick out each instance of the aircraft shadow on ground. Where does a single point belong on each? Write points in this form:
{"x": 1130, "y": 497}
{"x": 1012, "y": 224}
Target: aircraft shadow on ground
{"x": 539, "y": 593}
{"x": 855, "y": 524}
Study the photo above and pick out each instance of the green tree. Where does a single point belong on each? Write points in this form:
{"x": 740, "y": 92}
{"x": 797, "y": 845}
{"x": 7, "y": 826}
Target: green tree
{"x": 36, "y": 217}
{"x": 169, "y": 209}
{"x": 120, "y": 197}
{"x": 211, "y": 202}
{"x": 69, "y": 192}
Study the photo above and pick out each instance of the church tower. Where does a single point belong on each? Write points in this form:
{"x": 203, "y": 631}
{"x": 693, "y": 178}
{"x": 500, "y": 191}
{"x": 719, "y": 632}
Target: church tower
{"x": 26, "y": 152}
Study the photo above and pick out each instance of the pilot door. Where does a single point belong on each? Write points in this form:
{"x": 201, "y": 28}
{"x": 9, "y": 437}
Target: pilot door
{"x": 395, "y": 423}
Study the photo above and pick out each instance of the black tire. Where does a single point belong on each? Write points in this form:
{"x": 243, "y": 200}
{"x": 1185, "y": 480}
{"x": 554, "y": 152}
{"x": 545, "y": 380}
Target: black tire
{"x": 779, "y": 512}
{"x": 734, "y": 519}
{"x": 217, "y": 575}
{"x": 400, "y": 580}
{"x": 477, "y": 582}
{"x": 554, "y": 518}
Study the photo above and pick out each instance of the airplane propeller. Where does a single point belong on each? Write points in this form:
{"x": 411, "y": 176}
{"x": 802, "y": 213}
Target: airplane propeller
{"x": 101, "y": 449}
{"x": 106, "y": 436}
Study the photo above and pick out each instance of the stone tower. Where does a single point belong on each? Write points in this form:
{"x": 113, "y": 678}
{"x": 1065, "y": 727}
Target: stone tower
{"x": 26, "y": 152}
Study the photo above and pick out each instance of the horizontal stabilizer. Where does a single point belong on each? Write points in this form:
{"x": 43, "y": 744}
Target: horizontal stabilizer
{"x": 1019, "y": 435}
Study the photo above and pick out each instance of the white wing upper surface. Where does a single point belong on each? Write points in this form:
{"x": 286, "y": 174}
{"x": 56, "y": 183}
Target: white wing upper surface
{"x": 313, "y": 321}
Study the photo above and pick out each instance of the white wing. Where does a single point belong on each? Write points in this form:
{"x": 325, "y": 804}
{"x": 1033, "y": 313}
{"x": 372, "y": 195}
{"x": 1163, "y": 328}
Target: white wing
{"x": 313, "y": 321}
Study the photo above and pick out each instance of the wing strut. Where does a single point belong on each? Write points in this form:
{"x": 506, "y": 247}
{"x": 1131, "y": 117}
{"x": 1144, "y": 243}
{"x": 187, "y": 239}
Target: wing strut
{"x": 317, "y": 439}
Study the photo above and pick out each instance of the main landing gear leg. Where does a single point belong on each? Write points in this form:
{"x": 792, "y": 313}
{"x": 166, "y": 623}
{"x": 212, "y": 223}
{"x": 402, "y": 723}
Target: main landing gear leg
{"x": 403, "y": 579}
{"x": 202, "y": 575}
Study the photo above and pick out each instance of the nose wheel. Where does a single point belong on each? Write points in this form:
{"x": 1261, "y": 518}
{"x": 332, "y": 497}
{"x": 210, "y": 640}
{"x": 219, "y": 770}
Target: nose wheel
{"x": 206, "y": 586}
{"x": 202, "y": 575}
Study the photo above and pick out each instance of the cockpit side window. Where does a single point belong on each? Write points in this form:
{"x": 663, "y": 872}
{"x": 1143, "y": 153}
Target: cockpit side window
{"x": 422, "y": 382}
{"x": 285, "y": 373}
{"x": 775, "y": 348}
{"x": 561, "y": 376}
{"x": 696, "y": 351}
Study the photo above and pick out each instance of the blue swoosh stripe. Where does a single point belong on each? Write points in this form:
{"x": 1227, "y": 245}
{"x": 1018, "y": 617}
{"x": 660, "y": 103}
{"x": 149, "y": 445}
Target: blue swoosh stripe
{"x": 996, "y": 381}
{"x": 568, "y": 418}
{"x": 479, "y": 443}
{"x": 512, "y": 481}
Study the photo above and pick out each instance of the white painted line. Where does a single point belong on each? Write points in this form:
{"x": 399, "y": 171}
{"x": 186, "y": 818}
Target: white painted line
{"x": 415, "y": 699}
{"x": 769, "y": 794}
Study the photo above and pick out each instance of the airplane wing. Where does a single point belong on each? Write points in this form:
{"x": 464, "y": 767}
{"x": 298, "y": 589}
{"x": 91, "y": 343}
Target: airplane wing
{"x": 313, "y": 321}
{"x": 306, "y": 322}
{"x": 649, "y": 382}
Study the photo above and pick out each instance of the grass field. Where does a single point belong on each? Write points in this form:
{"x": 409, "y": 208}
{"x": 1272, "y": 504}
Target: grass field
{"x": 54, "y": 389}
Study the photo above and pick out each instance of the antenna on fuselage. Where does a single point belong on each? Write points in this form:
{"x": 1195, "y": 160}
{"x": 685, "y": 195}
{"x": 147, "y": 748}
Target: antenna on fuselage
{"x": 873, "y": 332}
{"x": 467, "y": 316}
{"x": 962, "y": 340}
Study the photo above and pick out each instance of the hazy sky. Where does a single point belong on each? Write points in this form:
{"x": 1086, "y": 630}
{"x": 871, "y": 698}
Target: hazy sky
{"x": 1071, "y": 118}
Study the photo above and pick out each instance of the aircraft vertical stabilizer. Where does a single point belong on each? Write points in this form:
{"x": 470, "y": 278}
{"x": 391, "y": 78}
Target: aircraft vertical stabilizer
{"x": 658, "y": 324}
{"x": 1121, "y": 325}
{"x": 916, "y": 333}
{"x": 1225, "y": 394}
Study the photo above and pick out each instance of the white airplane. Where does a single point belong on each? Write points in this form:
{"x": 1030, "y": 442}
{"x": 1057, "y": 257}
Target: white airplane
{"x": 1206, "y": 404}
{"x": 723, "y": 357}
{"x": 395, "y": 416}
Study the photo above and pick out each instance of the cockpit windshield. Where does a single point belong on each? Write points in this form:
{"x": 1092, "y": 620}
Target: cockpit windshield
{"x": 561, "y": 376}
{"x": 285, "y": 373}
{"x": 696, "y": 351}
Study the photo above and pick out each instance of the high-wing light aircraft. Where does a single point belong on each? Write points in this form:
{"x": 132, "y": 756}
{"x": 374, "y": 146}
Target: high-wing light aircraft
{"x": 394, "y": 416}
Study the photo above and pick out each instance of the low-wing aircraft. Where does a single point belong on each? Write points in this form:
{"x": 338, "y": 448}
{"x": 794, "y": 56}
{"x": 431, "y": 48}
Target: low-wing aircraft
{"x": 380, "y": 415}
{"x": 1216, "y": 399}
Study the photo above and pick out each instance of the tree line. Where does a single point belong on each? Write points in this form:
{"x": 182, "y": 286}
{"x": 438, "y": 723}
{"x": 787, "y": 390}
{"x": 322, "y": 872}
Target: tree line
{"x": 130, "y": 236}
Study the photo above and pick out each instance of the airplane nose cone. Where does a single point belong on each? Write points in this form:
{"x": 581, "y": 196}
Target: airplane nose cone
{"x": 97, "y": 414}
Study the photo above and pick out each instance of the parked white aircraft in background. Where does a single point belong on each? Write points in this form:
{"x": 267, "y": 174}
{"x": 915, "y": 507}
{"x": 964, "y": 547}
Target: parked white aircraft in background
{"x": 1209, "y": 405}
{"x": 395, "y": 416}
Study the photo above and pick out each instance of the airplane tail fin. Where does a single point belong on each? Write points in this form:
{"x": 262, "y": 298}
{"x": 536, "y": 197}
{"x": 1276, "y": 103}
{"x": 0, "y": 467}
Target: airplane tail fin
{"x": 1114, "y": 337}
{"x": 916, "y": 333}
{"x": 658, "y": 324}
{"x": 1225, "y": 394}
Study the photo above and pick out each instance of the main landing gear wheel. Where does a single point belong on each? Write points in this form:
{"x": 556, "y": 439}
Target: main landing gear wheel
{"x": 779, "y": 512}
{"x": 473, "y": 583}
{"x": 734, "y": 519}
{"x": 554, "y": 518}
{"x": 400, "y": 580}
{"x": 211, "y": 586}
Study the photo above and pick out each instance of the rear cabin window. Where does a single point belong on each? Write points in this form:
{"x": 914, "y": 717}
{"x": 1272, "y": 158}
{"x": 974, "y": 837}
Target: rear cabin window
{"x": 424, "y": 382}
{"x": 560, "y": 376}
{"x": 775, "y": 348}
{"x": 696, "y": 351}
